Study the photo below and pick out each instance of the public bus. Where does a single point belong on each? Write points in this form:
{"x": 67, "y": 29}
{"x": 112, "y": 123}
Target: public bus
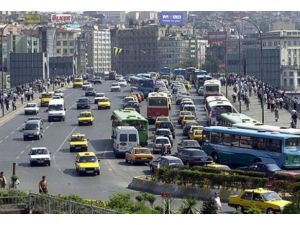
{"x": 243, "y": 147}
{"x": 190, "y": 73}
{"x": 215, "y": 106}
{"x": 263, "y": 127}
{"x": 124, "y": 117}
{"x": 157, "y": 105}
{"x": 212, "y": 88}
{"x": 230, "y": 119}
{"x": 142, "y": 84}
{"x": 195, "y": 73}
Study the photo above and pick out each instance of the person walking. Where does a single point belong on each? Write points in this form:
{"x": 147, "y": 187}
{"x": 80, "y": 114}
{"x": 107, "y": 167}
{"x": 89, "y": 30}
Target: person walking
{"x": 14, "y": 107}
{"x": 2, "y": 180}
{"x": 43, "y": 186}
{"x": 218, "y": 203}
{"x": 294, "y": 118}
{"x": 22, "y": 98}
{"x": 276, "y": 114}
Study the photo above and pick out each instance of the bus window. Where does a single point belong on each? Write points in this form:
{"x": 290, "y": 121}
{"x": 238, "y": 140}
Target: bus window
{"x": 245, "y": 142}
{"x": 123, "y": 137}
{"x": 291, "y": 142}
{"x": 235, "y": 140}
{"x": 226, "y": 139}
{"x": 276, "y": 145}
{"x": 215, "y": 138}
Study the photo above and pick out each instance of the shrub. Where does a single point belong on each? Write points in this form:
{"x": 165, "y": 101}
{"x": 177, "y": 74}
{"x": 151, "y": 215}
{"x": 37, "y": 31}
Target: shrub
{"x": 209, "y": 207}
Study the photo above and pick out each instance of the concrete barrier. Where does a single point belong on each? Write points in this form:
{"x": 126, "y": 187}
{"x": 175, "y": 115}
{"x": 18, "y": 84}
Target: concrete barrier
{"x": 146, "y": 184}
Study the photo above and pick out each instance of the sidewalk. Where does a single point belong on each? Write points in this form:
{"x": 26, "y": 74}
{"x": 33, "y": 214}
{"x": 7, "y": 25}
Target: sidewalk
{"x": 10, "y": 114}
{"x": 255, "y": 110}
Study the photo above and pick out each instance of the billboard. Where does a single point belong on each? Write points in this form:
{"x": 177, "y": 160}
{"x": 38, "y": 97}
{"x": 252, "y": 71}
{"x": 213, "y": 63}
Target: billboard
{"x": 216, "y": 37}
{"x": 171, "y": 18}
{"x": 61, "y": 18}
{"x": 32, "y": 18}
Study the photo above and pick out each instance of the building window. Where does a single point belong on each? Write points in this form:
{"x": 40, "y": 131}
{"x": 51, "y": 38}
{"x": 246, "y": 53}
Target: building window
{"x": 71, "y": 43}
{"x": 58, "y": 51}
{"x": 291, "y": 82}
{"x": 284, "y": 82}
{"x": 298, "y": 82}
{"x": 65, "y": 51}
{"x": 71, "y": 50}
{"x": 65, "y": 43}
{"x": 291, "y": 74}
{"x": 34, "y": 43}
{"x": 58, "y": 43}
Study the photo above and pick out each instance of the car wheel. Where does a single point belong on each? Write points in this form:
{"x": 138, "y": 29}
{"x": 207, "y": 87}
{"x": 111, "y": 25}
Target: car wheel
{"x": 91, "y": 123}
{"x": 49, "y": 163}
{"x": 270, "y": 211}
{"x": 79, "y": 124}
{"x": 31, "y": 164}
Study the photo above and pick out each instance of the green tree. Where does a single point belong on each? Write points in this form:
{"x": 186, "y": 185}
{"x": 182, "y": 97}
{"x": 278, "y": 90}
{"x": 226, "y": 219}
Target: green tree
{"x": 294, "y": 207}
{"x": 254, "y": 210}
{"x": 189, "y": 206}
{"x": 211, "y": 64}
{"x": 209, "y": 207}
{"x": 147, "y": 198}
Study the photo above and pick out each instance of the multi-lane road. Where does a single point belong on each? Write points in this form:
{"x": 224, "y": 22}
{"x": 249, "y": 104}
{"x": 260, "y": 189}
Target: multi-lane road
{"x": 115, "y": 174}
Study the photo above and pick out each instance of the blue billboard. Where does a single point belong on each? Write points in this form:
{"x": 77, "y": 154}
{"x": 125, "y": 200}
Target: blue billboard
{"x": 171, "y": 18}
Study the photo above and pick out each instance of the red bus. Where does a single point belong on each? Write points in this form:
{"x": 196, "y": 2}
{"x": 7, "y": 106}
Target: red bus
{"x": 158, "y": 105}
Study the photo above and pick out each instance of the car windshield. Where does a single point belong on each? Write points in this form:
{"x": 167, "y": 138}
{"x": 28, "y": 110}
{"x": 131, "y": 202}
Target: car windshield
{"x": 46, "y": 95}
{"x": 55, "y": 107}
{"x": 271, "y": 196}
{"x": 83, "y": 100}
{"x": 185, "y": 113}
{"x": 85, "y": 159}
{"x": 89, "y": 89}
{"x": 190, "y": 144}
{"x": 162, "y": 141}
{"x": 99, "y": 95}
{"x": 175, "y": 162}
{"x": 292, "y": 142}
{"x": 142, "y": 151}
{"x": 114, "y": 84}
{"x": 85, "y": 114}
{"x": 163, "y": 132}
{"x": 273, "y": 167}
{"x": 78, "y": 80}
{"x": 39, "y": 152}
{"x": 197, "y": 153}
{"x": 189, "y": 118}
{"x": 31, "y": 126}
{"x": 103, "y": 100}
{"x": 31, "y": 105}
{"x": 163, "y": 119}
{"x": 77, "y": 138}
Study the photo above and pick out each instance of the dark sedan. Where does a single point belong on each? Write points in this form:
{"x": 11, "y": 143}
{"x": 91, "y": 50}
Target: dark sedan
{"x": 268, "y": 168}
{"x": 185, "y": 144}
{"x": 90, "y": 92}
{"x": 165, "y": 161}
{"x": 167, "y": 125}
{"x": 187, "y": 126}
{"x": 193, "y": 156}
{"x": 83, "y": 103}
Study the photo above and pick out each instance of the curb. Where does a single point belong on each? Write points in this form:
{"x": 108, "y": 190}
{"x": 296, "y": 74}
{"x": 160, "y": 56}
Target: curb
{"x": 145, "y": 184}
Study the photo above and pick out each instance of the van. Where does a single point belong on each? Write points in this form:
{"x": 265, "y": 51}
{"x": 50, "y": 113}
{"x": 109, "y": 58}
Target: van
{"x": 56, "y": 110}
{"x": 124, "y": 139}
{"x": 32, "y": 130}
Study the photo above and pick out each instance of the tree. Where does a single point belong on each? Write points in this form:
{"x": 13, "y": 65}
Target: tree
{"x": 146, "y": 197}
{"x": 209, "y": 207}
{"x": 189, "y": 206}
{"x": 294, "y": 207}
{"x": 254, "y": 210}
{"x": 211, "y": 64}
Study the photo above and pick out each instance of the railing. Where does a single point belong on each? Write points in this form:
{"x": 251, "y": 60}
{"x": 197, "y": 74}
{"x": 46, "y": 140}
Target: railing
{"x": 48, "y": 204}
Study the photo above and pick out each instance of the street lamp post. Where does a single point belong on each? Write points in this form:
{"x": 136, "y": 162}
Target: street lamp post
{"x": 260, "y": 66}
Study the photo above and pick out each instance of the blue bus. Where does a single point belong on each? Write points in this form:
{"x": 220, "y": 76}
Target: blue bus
{"x": 243, "y": 147}
{"x": 145, "y": 85}
{"x": 165, "y": 73}
{"x": 180, "y": 71}
{"x": 197, "y": 72}
{"x": 200, "y": 79}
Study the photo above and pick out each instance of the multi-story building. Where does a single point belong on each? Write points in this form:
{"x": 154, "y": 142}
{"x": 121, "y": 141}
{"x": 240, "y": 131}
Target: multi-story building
{"x": 138, "y": 49}
{"x": 66, "y": 42}
{"x": 114, "y": 17}
{"x": 197, "y": 47}
{"x": 98, "y": 44}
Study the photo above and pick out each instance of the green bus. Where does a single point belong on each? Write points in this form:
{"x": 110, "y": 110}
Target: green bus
{"x": 125, "y": 117}
{"x": 228, "y": 119}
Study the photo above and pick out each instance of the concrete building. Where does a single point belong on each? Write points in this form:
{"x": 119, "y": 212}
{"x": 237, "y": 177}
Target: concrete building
{"x": 66, "y": 42}
{"x": 98, "y": 45}
{"x": 197, "y": 47}
{"x": 139, "y": 49}
{"x": 114, "y": 17}
{"x": 282, "y": 25}
{"x": 81, "y": 54}
{"x": 62, "y": 66}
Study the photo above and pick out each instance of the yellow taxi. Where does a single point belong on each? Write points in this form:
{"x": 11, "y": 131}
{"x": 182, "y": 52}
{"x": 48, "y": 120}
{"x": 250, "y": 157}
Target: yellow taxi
{"x": 78, "y": 142}
{"x": 138, "y": 155}
{"x": 197, "y": 135}
{"x": 268, "y": 201}
{"x": 160, "y": 119}
{"x": 187, "y": 118}
{"x": 78, "y": 82}
{"x": 87, "y": 163}
{"x": 85, "y": 118}
{"x": 104, "y": 103}
{"x": 194, "y": 127}
{"x": 182, "y": 114}
{"x": 45, "y": 98}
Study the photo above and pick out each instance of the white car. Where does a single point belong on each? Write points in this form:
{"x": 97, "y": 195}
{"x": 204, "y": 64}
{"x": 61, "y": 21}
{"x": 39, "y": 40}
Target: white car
{"x": 98, "y": 96}
{"x": 159, "y": 141}
{"x": 59, "y": 93}
{"x": 122, "y": 83}
{"x": 39, "y": 156}
{"x": 31, "y": 108}
{"x": 86, "y": 85}
{"x": 115, "y": 87}
{"x": 119, "y": 77}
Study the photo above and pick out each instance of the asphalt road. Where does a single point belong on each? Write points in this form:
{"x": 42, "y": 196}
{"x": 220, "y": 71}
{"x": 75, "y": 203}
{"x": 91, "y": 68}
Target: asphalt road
{"x": 61, "y": 175}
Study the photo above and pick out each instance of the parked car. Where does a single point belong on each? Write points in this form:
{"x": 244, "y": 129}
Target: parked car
{"x": 127, "y": 99}
{"x": 159, "y": 142}
{"x": 83, "y": 103}
{"x": 160, "y": 119}
{"x": 132, "y": 104}
{"x": 78, "y": 142}
{"x": 218, "y": 166}
{"x": 268, "y": 168}
{"x": 194, "y": 156}
{"x": 164, "y": 162}
{"x": 268, "y": 201}
{"x": 104, "y": 103}
{"x": 31, "y": 108}
{"x": 182, "y": 114}
{"x": 39, "y": 156}
{"x": 185, "y": 144}
{"x": 115, "y": 87}
{"x": 200, "y": 91}
{"x": 97, "y": 80}
{"x": 138, "y": 155}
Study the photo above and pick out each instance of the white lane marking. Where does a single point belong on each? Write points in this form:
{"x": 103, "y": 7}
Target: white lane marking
{"x": 17, "y": 157}
{"x": 27, "y": 146}
{"x": 1, "y": 141}
{"x": 6, "y": 137}
{"x": 12, "y": 132}
{"x": 22, "y": 152}
{"x": 46, "y": 127}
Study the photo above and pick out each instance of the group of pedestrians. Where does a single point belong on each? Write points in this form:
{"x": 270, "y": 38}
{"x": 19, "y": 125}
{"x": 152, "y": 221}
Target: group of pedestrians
{"x": 275, "y": 99}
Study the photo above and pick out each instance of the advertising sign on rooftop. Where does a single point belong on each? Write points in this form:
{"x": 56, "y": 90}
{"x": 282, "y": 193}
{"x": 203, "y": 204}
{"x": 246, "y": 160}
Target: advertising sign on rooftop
{"x": 61, "y": 18}
{"x": 216, "y": 37}
{"x": 171, "y": 18}
{"x": 32, "y": 18}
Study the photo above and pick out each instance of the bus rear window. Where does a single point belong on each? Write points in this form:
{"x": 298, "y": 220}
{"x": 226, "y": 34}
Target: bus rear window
{"x": 158, "y": 102}
{"x": 123, "y": 137}
{"x": 132, "y": 137}
{"x": 212, "y": 88}
{"x": 292, "y": 142}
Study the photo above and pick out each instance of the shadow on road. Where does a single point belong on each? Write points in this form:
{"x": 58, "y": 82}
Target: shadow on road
{"x": 24, "y": 164}
{"x": 18, "y": 139}
{"x": 102, "y": 145}
{"x": 65, "y": 150}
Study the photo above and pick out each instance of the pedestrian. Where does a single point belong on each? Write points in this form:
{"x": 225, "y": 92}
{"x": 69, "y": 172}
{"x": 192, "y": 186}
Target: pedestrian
{"x": 7, "y": 104}
{"x": 218, "y": 203}
{"x": 14, "y": 107}
{"x": 2, "y": 180}
{"x": 276, "y": 114}
{"x": 43, "y": 186}
{"x": 22, "y": 98}
{"x": 294, "y": 118}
